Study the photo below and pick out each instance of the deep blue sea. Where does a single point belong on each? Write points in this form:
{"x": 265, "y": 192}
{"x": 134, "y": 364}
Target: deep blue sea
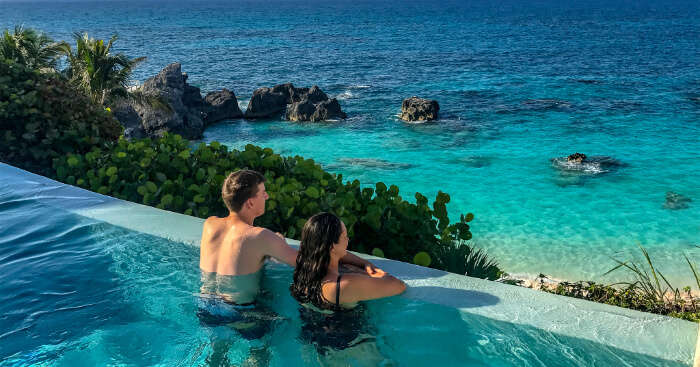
{"x": 518, "y": 82}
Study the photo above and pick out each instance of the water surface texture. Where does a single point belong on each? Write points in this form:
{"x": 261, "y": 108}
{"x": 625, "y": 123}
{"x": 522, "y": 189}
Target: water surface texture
{"x": 519, "y": 83}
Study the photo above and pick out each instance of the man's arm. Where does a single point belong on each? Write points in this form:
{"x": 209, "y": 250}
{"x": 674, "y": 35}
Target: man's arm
{"x": 275, "y": 246}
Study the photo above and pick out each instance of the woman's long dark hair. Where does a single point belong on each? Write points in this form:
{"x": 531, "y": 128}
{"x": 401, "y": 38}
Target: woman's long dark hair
{"x": 317, "y": 238}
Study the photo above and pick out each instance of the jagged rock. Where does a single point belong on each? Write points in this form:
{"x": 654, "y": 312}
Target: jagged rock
{"x": 676, "y": 201}
{"x": 328, "y": 109}
{"x": 181, "y": 111}
{"x": 306, "y": 110}
{"x": 297, "y": 104}
{"x": 192, "y": 96}
{"x": 266, "y": 102}
{"x": 316, "y": 95}
{"x": 300, "y": 111}
{"x": 576, "y": 157}
{"x": 419, "y": 109}
{"x": 221, "y": 105}
{"x": 168, "y": 104}
{"x": 130, "y": 119}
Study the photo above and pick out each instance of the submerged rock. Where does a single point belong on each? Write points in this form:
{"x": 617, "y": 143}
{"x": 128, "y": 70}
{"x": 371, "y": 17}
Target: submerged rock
{"x": 546, "y": 104}
{"x": 419, "y": 109}
{"x": 370, "y": 163}
{"x": 297, "y": 104}
{"x": 582, "y": 164}
{"x": 676, "y": 201}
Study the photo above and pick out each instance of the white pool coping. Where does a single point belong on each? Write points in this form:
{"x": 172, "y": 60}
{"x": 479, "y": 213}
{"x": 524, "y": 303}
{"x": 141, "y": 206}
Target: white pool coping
{"x": 657, "y": 336}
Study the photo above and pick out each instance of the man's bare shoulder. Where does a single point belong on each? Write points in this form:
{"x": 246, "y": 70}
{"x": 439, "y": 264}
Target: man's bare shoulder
{"x": 260, "y": 233}
{"x": 212, "y": 223}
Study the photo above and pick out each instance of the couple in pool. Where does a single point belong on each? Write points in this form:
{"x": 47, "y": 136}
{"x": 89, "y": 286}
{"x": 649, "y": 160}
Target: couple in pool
{"x": 327, "y": 278}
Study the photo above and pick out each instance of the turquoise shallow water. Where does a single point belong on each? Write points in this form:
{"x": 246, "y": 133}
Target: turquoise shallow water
{"x": 518, "y": 84}
{"x": 78, "y": 292}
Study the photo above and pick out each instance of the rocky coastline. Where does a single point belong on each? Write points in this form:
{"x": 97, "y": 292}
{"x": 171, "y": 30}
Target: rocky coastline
{"x": 167, "y": 103}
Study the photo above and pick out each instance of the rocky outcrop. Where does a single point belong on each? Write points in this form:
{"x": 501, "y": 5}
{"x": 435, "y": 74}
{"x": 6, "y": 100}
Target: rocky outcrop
{"x": 580, "y": 163}
{"x": 306, "y": 110}
{"x": 221, "y": 105}
{"x": 297, "y": 104}
{"x": 419, "y": 109}
{"x": 166, "y": 103}
{"x": 130, "y": 119}
{"x": 676, "y": 201}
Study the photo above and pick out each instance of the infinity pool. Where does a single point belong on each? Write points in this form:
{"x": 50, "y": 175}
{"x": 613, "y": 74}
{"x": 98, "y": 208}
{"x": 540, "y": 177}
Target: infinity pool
{"x": 78, "y": 291}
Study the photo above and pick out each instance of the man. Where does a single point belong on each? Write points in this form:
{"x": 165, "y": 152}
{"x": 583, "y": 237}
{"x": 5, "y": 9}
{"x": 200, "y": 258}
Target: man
{"x": 234, "y": 246}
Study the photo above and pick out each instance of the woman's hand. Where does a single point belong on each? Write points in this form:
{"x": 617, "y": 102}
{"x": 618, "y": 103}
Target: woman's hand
{"x": 374, "y": 271}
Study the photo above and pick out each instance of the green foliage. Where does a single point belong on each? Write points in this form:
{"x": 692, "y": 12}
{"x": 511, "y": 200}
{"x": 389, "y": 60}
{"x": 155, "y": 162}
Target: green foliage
{"x": 96, "y": 71}
{"x": 168, "y": 174}
{"x": 647, "y": 279}
{"x": 30, "y": 48}
{"x": 42, "y": 118}
{"x": 422, "y": 258}
{"x": 630, "y": 297}
{"x": 377, "y": 252}
{"x": 462, "y": 258}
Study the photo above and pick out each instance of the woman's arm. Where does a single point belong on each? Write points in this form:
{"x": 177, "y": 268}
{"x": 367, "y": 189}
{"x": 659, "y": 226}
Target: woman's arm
{"x": 355, "y": 260}
{"x": 359, "y": 287}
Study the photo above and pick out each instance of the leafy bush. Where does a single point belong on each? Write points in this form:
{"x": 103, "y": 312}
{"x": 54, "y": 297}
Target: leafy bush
{"x": 42, "y": 118}
{"x": 170, "y": 175}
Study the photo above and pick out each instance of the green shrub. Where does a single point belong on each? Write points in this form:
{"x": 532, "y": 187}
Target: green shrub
{"x": 170, "y": 175}
{"x": 42, "y": 118}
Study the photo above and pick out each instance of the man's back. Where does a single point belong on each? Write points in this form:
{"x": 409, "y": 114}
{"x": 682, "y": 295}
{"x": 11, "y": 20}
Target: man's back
{"x": 233, "y": 247}
{"x": 228, "y": 247}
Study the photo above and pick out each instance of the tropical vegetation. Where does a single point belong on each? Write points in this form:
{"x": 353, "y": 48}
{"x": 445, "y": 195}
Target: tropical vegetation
{"x": 30, "y": 48}
{"x": 42, "y": 118}
{"x": 92, "y": 67}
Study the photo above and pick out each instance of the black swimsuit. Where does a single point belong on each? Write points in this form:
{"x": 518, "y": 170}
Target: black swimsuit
{"x": 330, "y": 306}
{"x": 338, "y": 330}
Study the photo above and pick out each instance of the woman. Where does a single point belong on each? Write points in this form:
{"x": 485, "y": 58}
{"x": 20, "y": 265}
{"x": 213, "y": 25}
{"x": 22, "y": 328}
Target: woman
{"x": 329, "y": 294}
{"x": 317, "y": 278}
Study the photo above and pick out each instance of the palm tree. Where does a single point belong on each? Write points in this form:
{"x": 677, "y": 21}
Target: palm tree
{"x": 92, "y": 68}
{"x": 28, "y": 47}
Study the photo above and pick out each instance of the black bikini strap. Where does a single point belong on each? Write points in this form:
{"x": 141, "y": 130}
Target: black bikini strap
{"x": 337, "y": 291}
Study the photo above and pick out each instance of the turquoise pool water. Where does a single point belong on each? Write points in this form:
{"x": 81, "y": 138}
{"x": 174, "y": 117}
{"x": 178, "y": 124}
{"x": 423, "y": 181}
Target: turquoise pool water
{"x": 519, "y": 83}
{"x": 79, "y": 292}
